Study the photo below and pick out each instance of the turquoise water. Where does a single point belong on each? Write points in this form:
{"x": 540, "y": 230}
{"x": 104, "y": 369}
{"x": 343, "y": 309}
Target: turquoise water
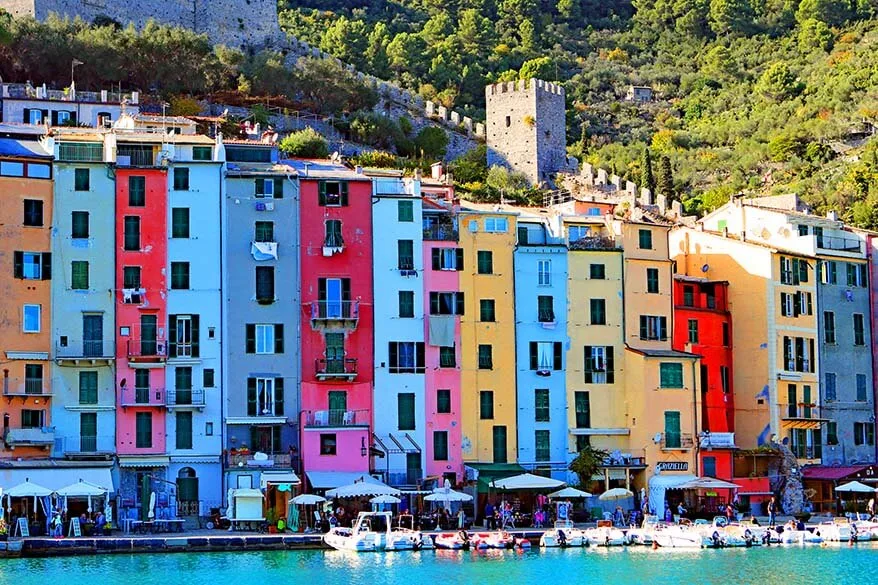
{"x": 830, "y": 565}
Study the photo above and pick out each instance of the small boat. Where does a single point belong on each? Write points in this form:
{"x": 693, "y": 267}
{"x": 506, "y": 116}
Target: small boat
{"x": 564, "y": 534}
{"x": 837, "y": 530}
{"x": 678, "y": 537}
{"x": 790, "y": 534}
{"x": 643, "y": 535}
{"x": 406, "y": 529}
{"x": 371, "y": 532}
{"x": 496, "y": 539}
{"x": 453, "y": 540}
{"x": 604, "y": 535}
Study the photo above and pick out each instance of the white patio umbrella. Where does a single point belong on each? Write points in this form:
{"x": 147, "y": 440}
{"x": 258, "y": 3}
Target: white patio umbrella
{"x": 451, "y": 496}
{"x": 569, "y": 493}
{"x": 362, "y": 489}
{"x": 385, "y": 499}
{"x": 307, "y": 500}
{"x": 616, "y": 494}
{"x": 527, "y": 481}
{"x": 707, "y": 483}
{"x": 855, "y": 487}
{"x": 82, "y": 489}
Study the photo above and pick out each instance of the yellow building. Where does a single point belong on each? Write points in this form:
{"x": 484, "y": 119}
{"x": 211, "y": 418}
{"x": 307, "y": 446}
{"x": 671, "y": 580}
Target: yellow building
{"x": 487, "y": 335}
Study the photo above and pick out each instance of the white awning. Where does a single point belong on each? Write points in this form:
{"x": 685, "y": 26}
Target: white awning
{"x": 527, "y": 481}
{"x": 55, "y": 478}
{"x": 158, "y": 461}
{"x": 659, "y": 484}
{"x": 82, "y": 489}
{"x": 322, "y": 480}
{"x": 362, "y": 489}
{"x": 276, "y": 477}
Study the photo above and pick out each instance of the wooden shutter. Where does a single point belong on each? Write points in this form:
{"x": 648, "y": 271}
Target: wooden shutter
{"x": 436, "y": 254}
{"x": 343, "y": 190}
{"x": 251, "y": 396}
{"x": 534, "y": 358}
{"x": 393, "y": 356}
{"x": 278, "y": 396}
{"x": 18, "y": 268}
{"x": 434, "y": 303}
{"x": 458, "y": 298}
{"x": 278, "y": 188}
{"x": 609, "y": 364}
{"x": 250, "y": 346}
{"x": 54, "y": 118}
{"x": 321, "y": 193}
{"x": 644, "y": 330}
{"x": 588, "y": 365}
{"x": 458, "y": 256}
{"x": 321, "y": 289}
{"x": 558, "y": 351}
{"x": 279, "y": 338}
{"x": 260, "y": 186}
{"x": 420, "y": 362}
{"x": 345, "y": 289}
{"x": 172, "y": 335}
{"x": 195, "y": 336}
{"x": 46, "y": 268}
{"x": 73, "y": 121}
{"x": 663, "y": 328}
{"x": 26, "y": 117}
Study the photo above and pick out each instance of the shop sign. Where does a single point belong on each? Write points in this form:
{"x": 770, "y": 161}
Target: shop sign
{"x": 672, "y": 466}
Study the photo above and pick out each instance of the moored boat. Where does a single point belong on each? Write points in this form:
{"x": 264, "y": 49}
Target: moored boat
{"x": 453, "y": 540}
{"x": 604, "y": 535}
{"x": 564, "y": 534}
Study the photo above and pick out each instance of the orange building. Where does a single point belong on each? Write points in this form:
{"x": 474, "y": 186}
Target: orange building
{"x": 25, "y": 261}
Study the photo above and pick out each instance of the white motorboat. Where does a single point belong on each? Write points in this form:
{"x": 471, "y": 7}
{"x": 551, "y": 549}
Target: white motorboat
{"x": 790, "y": 534}
{"x": 863, "y": 530}
{"x": 644, "y": 534}
{"x": 564, "y": 534}
{"x": 678, "y": 537}
{"x": 453, "y": 540}
{"x": 722, "y": 534}
{"x": 836, "y": 530}
{"x": 604, "y": 535}
{"x": 406, "y": 529}
{"x": 495, "y": 539}
{"x": 372, "y": 532}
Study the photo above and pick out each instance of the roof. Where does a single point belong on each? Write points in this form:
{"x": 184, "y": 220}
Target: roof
{"x": 158, "y": 138}
{"x": 323, "y": 169}
{"x": 664, "y": 353}
{"x": 498, "y": 208}
{"x": 247, "y": 142}
{"x": 320, "y": 480}
{"x": 13, "y": 147}
{"x": 152, "y": 117}
{"x": 698, "y": 279}
{"x": 824, "y": 472}
{"x": 247, "y": 169}
{"x": 8, "y": 128}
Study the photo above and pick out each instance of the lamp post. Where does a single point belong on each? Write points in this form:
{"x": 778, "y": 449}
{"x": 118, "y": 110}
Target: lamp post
{"x": 73, "y": 65}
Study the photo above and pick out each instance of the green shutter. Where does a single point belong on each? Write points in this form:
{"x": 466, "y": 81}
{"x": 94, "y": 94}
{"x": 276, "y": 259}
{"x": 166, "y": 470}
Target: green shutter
{"x": 440, "y": 445}
{"x": 88, "y": 431}
{"x": 172, "y": 335}
{"x": 181, "y": 179}
{"x": 79, "y": 221}
{"x": 343, "y": 190}
{"x": 251, "y": 397}
{"x": 88, "y": 387}
{"x": 196, "y": 335}
{"x": 486, "y": 405}
{"x": 405, "y": 211}
{"x": 81, "y": 179}
{"x": 184, "y": 430}
{"x": 250, "y": 335}
{"x": 443, "y": 401}
{"x": 406, "y": 411}
{"x": 673, "y": 438}
{"x": 533, "y": 351}
{"x": 278, "y": 187}
{"x": 278, "y": 397}
{"x": 180, "y": 222}
{"x": 499, "y": 440}
{"x": 79, "y": 275}
{"x": 541, "y": 405}
{"x": 201, "y": 153}
{"x": 583, "y": 410}
{"x": 542, "y": 445}
{"x": 671, "y": 375}
{"x": 144, "y": 430}
{"x": 208, "y": 378}
{"x": 321, "y": 193}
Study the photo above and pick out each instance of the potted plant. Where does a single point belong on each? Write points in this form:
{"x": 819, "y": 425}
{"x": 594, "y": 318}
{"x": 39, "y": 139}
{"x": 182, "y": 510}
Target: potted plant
{"x": 4, "y": 530}
{"x": 271, "y": 519}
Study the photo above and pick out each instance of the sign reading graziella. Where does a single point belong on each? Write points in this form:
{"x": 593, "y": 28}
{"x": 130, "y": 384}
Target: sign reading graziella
{"x": 672, "y": 466}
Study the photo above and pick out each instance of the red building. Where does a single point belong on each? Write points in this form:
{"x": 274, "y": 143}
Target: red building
{"x": 335, "y": 210}
{"x": 703, "y": 325}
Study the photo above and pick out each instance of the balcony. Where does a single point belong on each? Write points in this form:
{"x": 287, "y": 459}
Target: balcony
{"x": 593, "y": 243}
{"x": 440, "y": 232}
{"x": 145, "y": 397}
{"x": 335, "y": 313}
{"x": 248, "y": 459}
{"x": 336, "y": 418}
{"x": 147, "y": 352}
{"x": 839, "y": 244}
{"x": 85, "y": 446}
{"x": 336, "y": 369}
{"x": 74, "y": 352}
{"x": 135, "y": 158}
{"x": 182, "y": 399}
{"x": 711, "y": 440}
{"x": 677, "y": 442}
{"x": 80, "y": 152}
{"x": 634, "y": 458}
{"x": 25, "y": 387}
{"x": 801, "y": 416}
{"x": 30, "y": 437}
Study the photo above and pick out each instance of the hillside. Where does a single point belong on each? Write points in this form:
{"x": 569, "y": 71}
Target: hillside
{"x": 758, "y": 95}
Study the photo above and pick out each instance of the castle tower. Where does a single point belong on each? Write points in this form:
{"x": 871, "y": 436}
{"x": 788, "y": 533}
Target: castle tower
{"x": 526, "y": 127}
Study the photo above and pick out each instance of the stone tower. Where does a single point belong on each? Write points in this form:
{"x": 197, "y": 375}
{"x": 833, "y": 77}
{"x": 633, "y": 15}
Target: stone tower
{"x": 526, "y": 128}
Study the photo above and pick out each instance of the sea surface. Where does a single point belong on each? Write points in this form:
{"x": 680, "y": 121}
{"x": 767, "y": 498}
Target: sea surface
{"x": 814, "y": 565}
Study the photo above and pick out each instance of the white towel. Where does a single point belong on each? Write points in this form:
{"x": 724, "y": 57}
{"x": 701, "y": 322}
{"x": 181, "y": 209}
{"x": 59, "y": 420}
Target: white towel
{"x": 442, "y": 330}
{"x": 264, "y": 250}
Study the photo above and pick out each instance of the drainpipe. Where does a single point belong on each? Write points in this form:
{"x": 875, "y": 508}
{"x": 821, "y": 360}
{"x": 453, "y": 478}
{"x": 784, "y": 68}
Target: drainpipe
{"x": 695, "y": 434}
{"x": 222, "y": 369}
{"x": 872, "y": 297}
{"x": 294, "y": 182}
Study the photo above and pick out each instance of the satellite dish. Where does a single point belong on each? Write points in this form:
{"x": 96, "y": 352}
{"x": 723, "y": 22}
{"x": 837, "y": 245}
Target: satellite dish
{"x": 705, "y": 267}
{"x": 657, "y": 438}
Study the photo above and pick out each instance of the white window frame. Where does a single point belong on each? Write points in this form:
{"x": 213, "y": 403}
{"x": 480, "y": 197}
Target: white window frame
{"x": 34, "y": 262}
{"x": 184, "y": 336}
{"x": 264, "y": 333}
{"x": 544, "y": 272}
{"x": 35, "y": 117}
{"x": 496, "y": 225}
{"x": 545, "y": 355}
{"x": 265, "y": 396}
{"x": 24, "y": 318}
{"x": 598, "y": 359}
{"x": 448, "y": 259}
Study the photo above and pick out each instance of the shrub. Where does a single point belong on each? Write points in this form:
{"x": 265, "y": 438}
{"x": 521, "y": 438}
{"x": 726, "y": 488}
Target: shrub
{"x": 431, "y": 142}
{"x": 305, "y": 143}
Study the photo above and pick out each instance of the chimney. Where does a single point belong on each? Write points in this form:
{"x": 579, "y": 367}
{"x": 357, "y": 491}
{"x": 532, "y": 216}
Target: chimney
{"x": 832, "y": 214}
{"x": 358, "y": 169}
{"x": 725, "y": 232}
{"x": 436, "y": 170}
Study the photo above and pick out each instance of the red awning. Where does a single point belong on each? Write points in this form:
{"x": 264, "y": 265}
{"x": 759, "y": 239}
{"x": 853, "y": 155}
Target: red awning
{"x": 822, "y": 472}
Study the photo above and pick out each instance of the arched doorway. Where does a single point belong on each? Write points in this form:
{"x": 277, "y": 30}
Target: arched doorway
{"x": 187, "y": 492}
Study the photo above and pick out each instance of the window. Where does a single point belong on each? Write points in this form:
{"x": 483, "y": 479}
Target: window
{"x": 33, "y": 379}
{"x": 864, "y": 434}
{"x": 32, "y": 265}
{"x": 144, "y": 430}
{"x": 831, "y": 433}
{"x": 179, "y": 275}
{"x": 795, "y": 304}
{"x": 828, "y": 271}
{"x": 88, "y": 432}
{"x": 693, "y": 330}
{"x": 652, "y": 280}
{"x": 857, "y": 275}
{"x": 496, "y": 225}
{"x": 726, "y": 335}
{"x": 31, "y": 318}
{"x": 859, "y": 330}
{"x": 546, "y": 355}
{"x": 724, "y": 379}
{"x": 201, "y": 153}
{"x": 81, "y": 179}
{"x": 447, "y": 356}
{"x": 653, "y": 328}
{"x": 499, "y": 440}
{"x": 265, "y": 338}
{"x": 828, "y": 327}
{"x": 405, "y": 409}
{"x": 264, "y": 231}
{"x": 582, "y": 405}
{"x": 440, "y": 445}
{"x": 405, "y": 211}
{"x": 79, "y": 275}
{"x": 793, "y": 270}
{"x": 797, "y": 352}
{"x": 132, "y": 233}
{"x": 265, "y": 284}
{"x": 446, "y": 303}
{"x": 180, "y": 222}
{"x": 136, "y": 191}
{"x": 33, "y": 212}
{"x": 671, "y": 375}
{"x": 544, "y": 272}
{"x": 598, "y": 311}
{"x": 181, "y": 179}
{"x": 332, "y": 193}
{"x": 545, "y": 309}
{"x": 131, "y": 277}
{"x": 406, "y": 357}
{"x": 443, "y": 401}
{"x": 644, "y": 239}
{"x": 673, "y": 437}
{"x": 208, "y": 378}
{"x": 542, "y": 452}
{"x": 327, "y": 444}
{"x": 184, "y": 430}
{"x": 688, "y": 296}
{"x": 486, "y": 261}
{"x": 332, "y": 237}
{"x": 802, "y": 230}
{"x": 447, "y": 258}
{"x": 486, "y": 311}
{"x": 270, "y": 188}
{"x": 32, "y": 419}
{"x": 405, "y": 254}
{"x": 79, "y": 221}
{"x": 582, "y": 443}
{"x": 599, "y": 364}
{"x": 541, "y": 405}
{"x": 829, "y": 379}
{"x": 486, "y": 404}
{"x": 406, "y": 304}
{"x": 577, "y": 232}
{"x": 265, "y": 396}
{"x": 141, "y": 386}
{"x": 486, "y": 359}
{"x": 597, "y": 271}
{"x": 861, "y": 388}
{"x": 88, "y": 387}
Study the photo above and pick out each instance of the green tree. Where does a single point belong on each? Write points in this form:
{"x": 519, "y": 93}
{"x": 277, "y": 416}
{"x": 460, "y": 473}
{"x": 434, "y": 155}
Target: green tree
{"x": 665, "y": 181}
{"x": 647, "y": 180}
{"x": 431, "y": 142}
{"x": 376, "y": 50}
{"x": 347, "y": 40}
{"x": 5, "y": 26}
{"x": 832, "y": 12}
{"x": 540, "y": 68}
{"x": 588, "y": 463}
{"x": 814, "y": 34}
{"x": 471, "y": 166}
{"x": 730, "y": 16}
{"x": 305, "y": 143}
{"x": 509, "y": 183}
{"x": 778, "y": 82}
{"x": 570, "y": 10}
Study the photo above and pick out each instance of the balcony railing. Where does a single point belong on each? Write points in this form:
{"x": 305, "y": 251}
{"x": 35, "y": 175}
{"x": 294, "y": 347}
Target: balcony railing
{"x": 336, "y": 368}
{"x": 85, "y": 445}
{"x": 593, "y": 243}
{"x": 75, "y": 349}
{"x": 677, "y": 441}
{"x": 718, "y": 440}
{"x": 142, "y": 397}
{"x": 26, "y": 387}
{"x": 441, "y": 233}
{"x": 800, "y": 411}
{"x": 839, "y": 244}
{"x": 250, "y": 459}
{"x": 36, "y": 436}
{"x": 631, "y": 458}
{"x": 335, "y": 311}
{"x": 177, "y": 398}
{"x": 78, "y": 152}
{"x": 337, "y": 418}
{"x": 135, "y": 158}
{"x": 147, "y": 349}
